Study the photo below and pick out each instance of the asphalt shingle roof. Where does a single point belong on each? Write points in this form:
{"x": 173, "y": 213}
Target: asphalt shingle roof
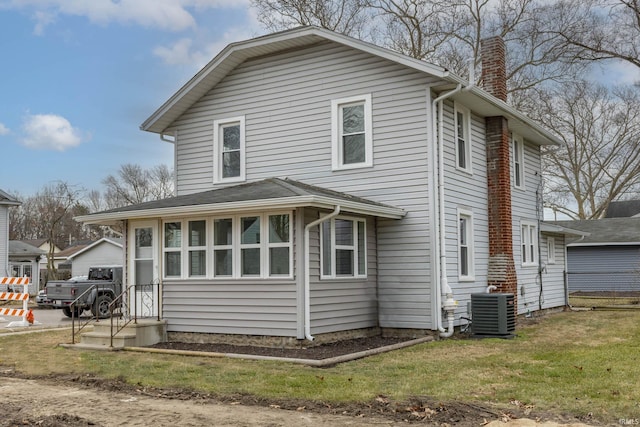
{"x": 606, "y": 230}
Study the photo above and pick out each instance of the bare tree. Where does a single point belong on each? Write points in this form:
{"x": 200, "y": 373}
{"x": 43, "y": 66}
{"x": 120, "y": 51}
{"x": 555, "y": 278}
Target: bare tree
{"x": 55, "y": 206}
{"x": 599, "y": 29}
{"x": 343, "y": 16}
{"x": 600, "y": 158}
{"x": 133, "y": 185}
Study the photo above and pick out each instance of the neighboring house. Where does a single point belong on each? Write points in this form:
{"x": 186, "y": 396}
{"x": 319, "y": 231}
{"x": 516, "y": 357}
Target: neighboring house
{"x": 6, "y": 201}
{"x": 103, "y": 252}
{"x": 76, "y": 259}
{"x": 623, "y": 209}
{"x": 45, "y": 245}
{"x": 607, "y": 258}
{"x": 24, "y": 260}
{"x": 326, "y": 186}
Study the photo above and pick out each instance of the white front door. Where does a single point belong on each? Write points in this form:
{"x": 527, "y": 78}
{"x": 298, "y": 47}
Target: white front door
{"x": 143, "y": 266}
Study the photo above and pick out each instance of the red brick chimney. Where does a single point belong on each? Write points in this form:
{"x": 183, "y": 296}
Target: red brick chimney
{"x": 502, "y": 271}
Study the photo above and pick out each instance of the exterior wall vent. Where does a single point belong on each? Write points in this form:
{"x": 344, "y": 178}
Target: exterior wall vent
{"x": 493, "y": 315}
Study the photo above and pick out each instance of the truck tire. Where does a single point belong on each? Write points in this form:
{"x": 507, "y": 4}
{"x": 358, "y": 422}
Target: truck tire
{"x": 100, "y": 308}
{"x": 67, "y": 312}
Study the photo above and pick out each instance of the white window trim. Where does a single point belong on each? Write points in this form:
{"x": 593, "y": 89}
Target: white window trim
{"x": 236, "y": 247}
{"x": 180, "y": 250}
{"x": 217, "y": 150}
{"x": 518, "y": 159}
{"x": 333, "y": 275}
{"x": 188, "y": 249}
{"x": 466, "y": 117}
{"x": 551, "y": 250}
{"x": 336, "y": 140}
{"x": 464, "y": 213}
{"x": 529, "y": 241}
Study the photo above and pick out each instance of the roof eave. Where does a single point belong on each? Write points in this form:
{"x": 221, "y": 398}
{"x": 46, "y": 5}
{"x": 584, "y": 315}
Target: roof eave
{"x": 244, "y": 206}
{"x": 553, "y": 228}
{"x": 236, "y": 53}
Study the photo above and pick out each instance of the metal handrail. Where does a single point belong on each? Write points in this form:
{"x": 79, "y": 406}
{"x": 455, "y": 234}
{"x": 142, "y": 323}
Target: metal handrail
{"x": 126, "y": 314}
{"x": 73, "y": 307}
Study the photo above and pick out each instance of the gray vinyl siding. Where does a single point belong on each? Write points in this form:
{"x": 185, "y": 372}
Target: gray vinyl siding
{"x": 265, "y": 307}
{"x": 468, "y": 192}
{"x": 342, "y": 304}
{"x": 286, "y": 102}
{"x": 604, "y": 268}
{"x": 4, "y": 241}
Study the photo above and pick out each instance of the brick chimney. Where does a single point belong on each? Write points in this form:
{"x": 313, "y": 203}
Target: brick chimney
{"x": 502, "y": 271}
{"x": 494, "y": 67}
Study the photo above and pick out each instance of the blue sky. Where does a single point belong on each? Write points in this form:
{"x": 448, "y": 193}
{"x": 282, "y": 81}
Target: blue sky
{"x": 77, "y": 78}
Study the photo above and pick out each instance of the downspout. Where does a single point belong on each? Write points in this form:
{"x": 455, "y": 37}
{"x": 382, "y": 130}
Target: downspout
{"x": 163, "y": 137}
{"x": 307, "y": 274}
{"x": 449, "y": 304}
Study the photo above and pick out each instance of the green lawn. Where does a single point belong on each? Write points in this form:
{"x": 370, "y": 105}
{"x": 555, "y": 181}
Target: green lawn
{"x": 572, "y": 363}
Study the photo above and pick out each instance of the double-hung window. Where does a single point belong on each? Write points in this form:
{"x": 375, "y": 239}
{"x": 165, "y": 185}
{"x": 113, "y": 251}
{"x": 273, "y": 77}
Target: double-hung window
{"x": 465, "y": 245}
{"x": 551, "y": 250}
{"x": 351, "y": 132}
{"x": 343, "y": 248}
{"x": 518, "y": 161}
{"x": 172, "y": 249}
{"x": 223, "y": 247}
{"x": 197, "y": 247}
{"x": 228, "y": 150}
{"x": 462, "y": 137}
{"x": 529, "y": 242}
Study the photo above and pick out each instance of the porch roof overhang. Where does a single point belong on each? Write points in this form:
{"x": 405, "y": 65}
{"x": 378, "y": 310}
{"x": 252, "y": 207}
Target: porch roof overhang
{"x": 272, "y": 194}
{"x": 546, "y": 227}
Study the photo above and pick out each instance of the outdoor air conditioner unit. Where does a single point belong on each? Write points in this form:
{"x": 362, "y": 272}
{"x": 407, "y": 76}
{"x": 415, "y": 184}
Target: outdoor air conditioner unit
{"x": 493, "y": 315}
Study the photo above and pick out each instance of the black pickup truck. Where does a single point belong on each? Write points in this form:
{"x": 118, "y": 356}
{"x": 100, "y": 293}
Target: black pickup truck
{"x": 104, "y": 285}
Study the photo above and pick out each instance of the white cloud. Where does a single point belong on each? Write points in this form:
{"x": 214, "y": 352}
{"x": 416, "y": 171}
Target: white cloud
{"x": 172, "y": 15}
{"x": 50, "y": 132}
{"x": 183, "y": 51}
{"x": 3, "y": 129}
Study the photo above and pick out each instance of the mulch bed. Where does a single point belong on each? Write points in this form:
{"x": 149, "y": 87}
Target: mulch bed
{"x": 319, "y": 352}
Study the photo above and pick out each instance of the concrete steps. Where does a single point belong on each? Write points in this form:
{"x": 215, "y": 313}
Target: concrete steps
{"x": 143, "y": 333}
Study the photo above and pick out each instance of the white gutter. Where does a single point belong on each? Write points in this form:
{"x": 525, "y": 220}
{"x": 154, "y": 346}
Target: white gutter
{"x": 449, "y": 304}
{"x": 307, "y": 274}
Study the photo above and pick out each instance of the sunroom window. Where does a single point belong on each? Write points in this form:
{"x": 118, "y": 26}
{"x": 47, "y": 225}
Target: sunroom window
{"x": 172, "y": 249}
{"x": 240, "y": 246}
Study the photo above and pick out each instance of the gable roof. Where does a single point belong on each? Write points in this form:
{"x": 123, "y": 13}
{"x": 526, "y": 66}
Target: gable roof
{"x": 273, "y": 193}
{"x": 6, "y": 199}
{"x": 105, "y": 240}
{"x": 234, "y": 54}
{"x": 622, "y": 209}
{"x": 606, "y": 231}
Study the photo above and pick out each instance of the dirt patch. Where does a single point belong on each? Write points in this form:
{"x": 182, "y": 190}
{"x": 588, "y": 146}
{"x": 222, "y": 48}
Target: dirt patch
{"x": 75, "y": 401}
{"x": 324, "y": 351}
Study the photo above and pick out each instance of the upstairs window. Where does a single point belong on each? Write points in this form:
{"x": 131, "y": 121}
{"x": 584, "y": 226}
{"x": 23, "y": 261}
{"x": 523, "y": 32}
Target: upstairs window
{"x": 518, "y": 161}
{"x": 228, "y": 150}
{"x": 352, "y": 135}
{"x": 343, "y": 248}
{"x": 462, "y": 120}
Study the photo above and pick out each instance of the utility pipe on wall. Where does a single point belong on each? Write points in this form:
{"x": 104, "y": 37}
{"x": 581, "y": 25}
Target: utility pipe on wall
{"x": 307, "y": 274}
{"x": 449, "y": 305}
